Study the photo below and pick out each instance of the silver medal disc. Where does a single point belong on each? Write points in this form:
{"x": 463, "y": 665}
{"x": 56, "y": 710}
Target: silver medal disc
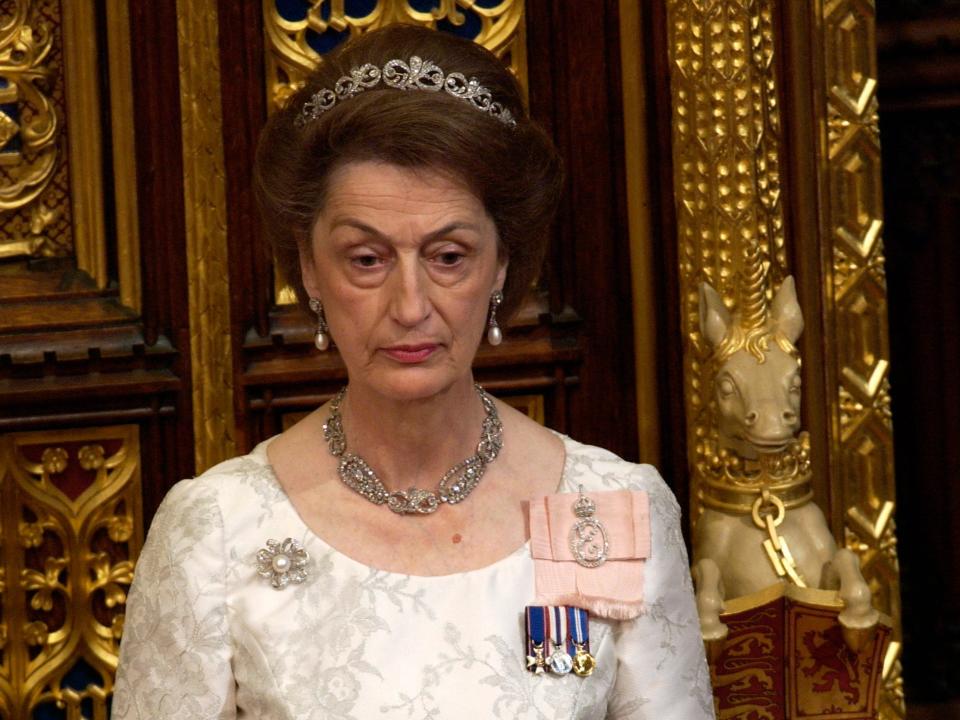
{"x": 560, "y": 662}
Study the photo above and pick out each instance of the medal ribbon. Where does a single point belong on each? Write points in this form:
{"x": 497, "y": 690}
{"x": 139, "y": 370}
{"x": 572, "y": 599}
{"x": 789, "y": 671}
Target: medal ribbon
{"x": 579, "y": 623}
{"x": 558, "y": 629}
{"x": 536, "y": 627}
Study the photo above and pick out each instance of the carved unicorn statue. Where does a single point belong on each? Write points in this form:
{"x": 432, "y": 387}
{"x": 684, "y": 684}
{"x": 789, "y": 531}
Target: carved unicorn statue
{"x": 759, "y": 525}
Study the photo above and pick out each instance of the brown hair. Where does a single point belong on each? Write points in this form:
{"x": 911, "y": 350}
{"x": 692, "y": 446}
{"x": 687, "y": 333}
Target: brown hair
{"x": 514, "y": 171}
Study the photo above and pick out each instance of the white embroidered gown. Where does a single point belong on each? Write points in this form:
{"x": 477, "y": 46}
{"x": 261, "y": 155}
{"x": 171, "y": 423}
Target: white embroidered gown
{"x": 207, "y": 637}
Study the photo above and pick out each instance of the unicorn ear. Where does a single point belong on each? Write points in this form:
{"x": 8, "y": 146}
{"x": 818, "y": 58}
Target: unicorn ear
{"x": 714, "y": 316}
{"x": 785, "y": 310}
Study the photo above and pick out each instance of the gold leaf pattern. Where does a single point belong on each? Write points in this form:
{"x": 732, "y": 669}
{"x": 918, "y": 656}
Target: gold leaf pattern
{"x": 73, "y": 563}
{"x": 54, "y": 460}
{"x": 854, "y": 295}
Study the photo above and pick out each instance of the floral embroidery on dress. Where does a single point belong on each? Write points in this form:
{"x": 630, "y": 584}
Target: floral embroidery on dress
{"x": 496, "y": 665}
{"x": 206, "y": 638}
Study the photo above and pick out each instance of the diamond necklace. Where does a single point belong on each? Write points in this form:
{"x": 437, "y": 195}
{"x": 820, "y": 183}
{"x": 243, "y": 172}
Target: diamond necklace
{"x": 458, "y": 482}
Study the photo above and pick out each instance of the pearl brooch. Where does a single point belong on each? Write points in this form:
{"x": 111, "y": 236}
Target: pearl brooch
{"x": 283, "y": 562}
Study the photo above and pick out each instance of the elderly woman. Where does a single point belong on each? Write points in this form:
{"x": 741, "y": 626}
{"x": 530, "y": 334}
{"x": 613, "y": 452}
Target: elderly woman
{"x": 414, "y": 548}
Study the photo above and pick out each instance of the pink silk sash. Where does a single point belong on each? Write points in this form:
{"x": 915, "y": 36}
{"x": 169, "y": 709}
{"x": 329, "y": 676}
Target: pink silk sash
{"x": 614, "y": 589}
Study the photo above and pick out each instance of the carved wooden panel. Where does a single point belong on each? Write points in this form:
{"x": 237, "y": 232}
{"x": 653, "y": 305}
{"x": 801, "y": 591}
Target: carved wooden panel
{"x": 70, "y": 529}
{"x": 92, "y": 340}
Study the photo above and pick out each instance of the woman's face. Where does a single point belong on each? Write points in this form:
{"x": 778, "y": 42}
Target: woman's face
{"x": 404, "y": 261}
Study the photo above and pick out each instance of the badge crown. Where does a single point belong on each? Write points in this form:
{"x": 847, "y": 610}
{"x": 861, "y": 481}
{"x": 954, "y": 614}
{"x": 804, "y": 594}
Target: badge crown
{"x": 584, "y": 507}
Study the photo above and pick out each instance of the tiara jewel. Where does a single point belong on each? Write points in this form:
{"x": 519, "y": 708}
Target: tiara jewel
{"x": 418, "y": 74}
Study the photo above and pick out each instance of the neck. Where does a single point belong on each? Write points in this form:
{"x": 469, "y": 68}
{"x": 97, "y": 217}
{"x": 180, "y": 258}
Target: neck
{"x": 412, "y": 443}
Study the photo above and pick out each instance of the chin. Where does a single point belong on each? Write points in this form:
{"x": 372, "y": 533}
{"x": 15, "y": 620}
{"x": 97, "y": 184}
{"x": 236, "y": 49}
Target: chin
{"x": 414, "y": 383}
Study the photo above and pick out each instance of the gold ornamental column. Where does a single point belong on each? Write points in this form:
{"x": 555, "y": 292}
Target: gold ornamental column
{"x": 728, "y": 150}
{"x": 205, "y": 211}
{"x": 726, "y": 156}
{"x": 854, "y": 297}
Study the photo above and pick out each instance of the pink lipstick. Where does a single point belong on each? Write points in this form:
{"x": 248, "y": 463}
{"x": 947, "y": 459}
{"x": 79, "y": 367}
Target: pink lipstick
{"x": 410, "y": 353}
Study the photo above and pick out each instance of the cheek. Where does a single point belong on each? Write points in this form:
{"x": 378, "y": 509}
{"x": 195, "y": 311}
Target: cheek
{"x": 794, "y": 402}
{"x": 350, "y": 315}
{"x": 731, "y": 405}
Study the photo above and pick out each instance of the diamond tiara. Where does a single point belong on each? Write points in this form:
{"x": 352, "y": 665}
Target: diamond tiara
{"x": 418, "y": 74}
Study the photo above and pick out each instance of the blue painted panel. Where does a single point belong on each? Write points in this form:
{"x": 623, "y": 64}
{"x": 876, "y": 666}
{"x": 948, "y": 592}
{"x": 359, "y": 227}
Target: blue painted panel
{"x": 78, "y": 678}
{"x": 423, "y": 5}
{"x": 327, "y": 41}
{"x": 359, "y": 8}
{"x": 293, "y": 10}
{"x": 11, "y": 110}
{"x": 470, "y": 28}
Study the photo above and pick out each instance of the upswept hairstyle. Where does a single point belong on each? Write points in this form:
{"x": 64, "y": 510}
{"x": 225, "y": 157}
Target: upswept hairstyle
{"x": 514, "y": 171}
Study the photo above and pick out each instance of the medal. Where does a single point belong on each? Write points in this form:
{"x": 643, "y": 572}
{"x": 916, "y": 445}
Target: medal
{"x": 536, "y": 637}
{"x": 559, "y": 661}
{"x": 579, "y": 624}
{"x": 589, "y": 543}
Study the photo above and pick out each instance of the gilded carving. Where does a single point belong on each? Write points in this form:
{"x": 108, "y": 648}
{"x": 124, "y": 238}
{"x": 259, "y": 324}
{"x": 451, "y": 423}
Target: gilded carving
{"x": 726, "y": 146}
{"x": 71, "y": 529}
{"x": 296, "y": 43}
{"x": 34, "y": 187}
{"x": 854, "y": 297}
{"x": 204, "y": 189}
{"x": 52, "y": 140}
{"x": 726, "y": 149}
{"x": 23, "y": 53}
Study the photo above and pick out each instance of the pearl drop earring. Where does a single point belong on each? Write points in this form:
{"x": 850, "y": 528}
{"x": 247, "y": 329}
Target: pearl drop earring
{"x": 322, "y": 337}
{"x": 494, "y": 334}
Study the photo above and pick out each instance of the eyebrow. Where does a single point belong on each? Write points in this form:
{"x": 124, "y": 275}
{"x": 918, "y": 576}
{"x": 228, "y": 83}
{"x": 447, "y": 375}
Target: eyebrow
{"x": 448, "y": 228}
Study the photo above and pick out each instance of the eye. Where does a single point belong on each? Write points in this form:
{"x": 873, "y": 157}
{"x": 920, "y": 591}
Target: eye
{"x": 448, "y": 258}
{"x": 366, "y": 261}
{"x": 727, "y": 387}
{"x": 795, "y": 384}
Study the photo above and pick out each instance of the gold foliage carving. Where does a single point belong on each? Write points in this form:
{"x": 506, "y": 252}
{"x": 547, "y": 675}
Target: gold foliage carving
{"x": 204, "y": 189}
{"x": 726, "y": 149}
{"x": 70, "y": 531}
{"x": 291, "y": 54}
{"x": 24, "y": 50}
{"x": 52, "y": 139}
{"x": 34, "y": 187}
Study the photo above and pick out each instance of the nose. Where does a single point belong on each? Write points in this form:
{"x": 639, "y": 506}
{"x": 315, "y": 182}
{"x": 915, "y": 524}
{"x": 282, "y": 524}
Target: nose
{"x": 409, "y": 303}
{"x": 789, "y": 417}
{"x": 750, "y": 419}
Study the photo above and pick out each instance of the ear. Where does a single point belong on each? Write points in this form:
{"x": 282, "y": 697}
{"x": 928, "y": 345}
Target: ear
{"x": 785, "y": 310}
{"x": 308, "y": 272}
{"x": 501, "y": 278}
{"x": 714, "y": 316}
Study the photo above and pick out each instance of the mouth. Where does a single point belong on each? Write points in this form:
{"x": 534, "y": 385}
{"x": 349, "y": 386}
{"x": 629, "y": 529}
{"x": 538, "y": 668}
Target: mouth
{"x": 769, "y": 443}
{"x": 410, "y": 354}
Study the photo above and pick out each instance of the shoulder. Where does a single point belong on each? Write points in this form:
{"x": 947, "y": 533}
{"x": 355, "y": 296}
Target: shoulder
{"x": 198, "y": 505}
{"x": 598, "y": 469}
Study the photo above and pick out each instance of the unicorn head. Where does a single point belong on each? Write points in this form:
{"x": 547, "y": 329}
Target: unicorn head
{"x": 757, "y": 383}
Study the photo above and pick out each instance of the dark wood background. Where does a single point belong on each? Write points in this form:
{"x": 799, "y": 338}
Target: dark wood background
{"x": 919, "y": 92}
